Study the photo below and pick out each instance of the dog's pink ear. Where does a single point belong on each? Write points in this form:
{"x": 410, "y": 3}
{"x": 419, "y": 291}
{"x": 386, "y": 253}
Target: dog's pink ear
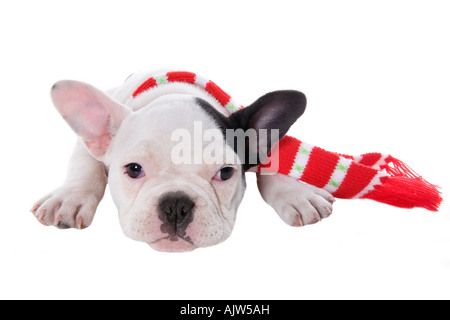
{"x": 93, "y": 115}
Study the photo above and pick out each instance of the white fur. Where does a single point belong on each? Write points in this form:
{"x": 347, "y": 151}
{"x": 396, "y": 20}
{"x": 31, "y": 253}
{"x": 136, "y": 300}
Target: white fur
{"x": 144, "y": 137}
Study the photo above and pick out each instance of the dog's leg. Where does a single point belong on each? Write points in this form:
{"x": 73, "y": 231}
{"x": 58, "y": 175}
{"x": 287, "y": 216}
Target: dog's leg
{"x": 297, "y": 203}
{"x": 73, "y": 205}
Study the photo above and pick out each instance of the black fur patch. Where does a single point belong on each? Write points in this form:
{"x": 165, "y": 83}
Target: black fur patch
{"x": 274, "y": 111}
{"x": 222, "y": 121}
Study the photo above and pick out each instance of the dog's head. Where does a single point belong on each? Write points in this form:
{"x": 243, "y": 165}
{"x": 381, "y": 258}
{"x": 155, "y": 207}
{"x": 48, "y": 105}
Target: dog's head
{"x": 175, "y": 174}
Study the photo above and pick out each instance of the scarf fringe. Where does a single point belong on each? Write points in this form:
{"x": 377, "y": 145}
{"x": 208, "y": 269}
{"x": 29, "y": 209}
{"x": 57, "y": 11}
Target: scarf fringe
{"x": 405, "y": 188}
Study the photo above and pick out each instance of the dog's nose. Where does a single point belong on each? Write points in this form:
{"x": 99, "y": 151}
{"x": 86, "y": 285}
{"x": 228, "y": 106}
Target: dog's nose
{"x": 176, "y": 209}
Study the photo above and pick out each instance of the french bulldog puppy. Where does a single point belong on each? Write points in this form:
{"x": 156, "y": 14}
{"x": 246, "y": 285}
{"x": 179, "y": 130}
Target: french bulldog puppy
{"x": 130, "y": 143}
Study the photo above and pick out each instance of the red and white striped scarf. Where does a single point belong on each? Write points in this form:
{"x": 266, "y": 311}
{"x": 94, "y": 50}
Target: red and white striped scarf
{"x": 373, "y": 176}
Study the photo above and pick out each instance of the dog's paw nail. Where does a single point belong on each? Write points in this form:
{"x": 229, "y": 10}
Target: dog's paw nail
{"x": 80, "y": 223}
{"x": 316, "y": 218}
{"x": 34, "y": 209}
{"x": 58, "y": 219}
{"x": 41, "y": 215}
{"x": 328, "y": 210}
{"x": 298, "y": 222}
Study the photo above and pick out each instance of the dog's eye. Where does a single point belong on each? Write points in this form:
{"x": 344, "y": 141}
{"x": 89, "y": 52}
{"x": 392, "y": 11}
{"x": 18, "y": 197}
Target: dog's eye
{"x": 134, "y": 170}
{"x": 224, "y": 174}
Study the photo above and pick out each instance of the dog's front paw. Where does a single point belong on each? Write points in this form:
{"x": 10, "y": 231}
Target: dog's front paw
{"x": 308, "y": 207}
{"x": 67, "y": 207}
{"x": 298, "y": 204}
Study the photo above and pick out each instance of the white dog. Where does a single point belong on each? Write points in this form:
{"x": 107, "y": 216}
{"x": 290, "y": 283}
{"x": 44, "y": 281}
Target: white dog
{"x": 127, "y": 140}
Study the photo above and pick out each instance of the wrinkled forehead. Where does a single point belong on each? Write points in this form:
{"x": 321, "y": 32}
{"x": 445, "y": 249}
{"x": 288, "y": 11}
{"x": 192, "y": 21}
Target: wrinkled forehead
{"x": 173, "y": 131}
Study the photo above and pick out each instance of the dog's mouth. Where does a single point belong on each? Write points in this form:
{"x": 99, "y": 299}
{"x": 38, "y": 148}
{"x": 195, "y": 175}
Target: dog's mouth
{"x": 176, "y": 237}
{"x": 173, "y": 243}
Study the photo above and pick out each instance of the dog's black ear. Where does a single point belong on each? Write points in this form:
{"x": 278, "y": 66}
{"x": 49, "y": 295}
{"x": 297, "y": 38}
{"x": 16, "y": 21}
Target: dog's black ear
{"x": 269, "y": 119}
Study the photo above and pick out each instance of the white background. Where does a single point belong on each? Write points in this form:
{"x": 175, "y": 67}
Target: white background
{"x": 377, "y": 78}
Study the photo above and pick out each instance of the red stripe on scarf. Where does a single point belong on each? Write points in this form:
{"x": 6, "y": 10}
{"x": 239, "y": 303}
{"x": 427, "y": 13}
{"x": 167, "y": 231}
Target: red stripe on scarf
{"x": 369, "y": 159}
{"x": 181, "y": 76}
{"x": 358, "y": 177}
{"x": 289, "y": 147}
{"x": 320, "y": 167}
{"x": 218, "y": 93}
{"x": 150, "y": 83}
